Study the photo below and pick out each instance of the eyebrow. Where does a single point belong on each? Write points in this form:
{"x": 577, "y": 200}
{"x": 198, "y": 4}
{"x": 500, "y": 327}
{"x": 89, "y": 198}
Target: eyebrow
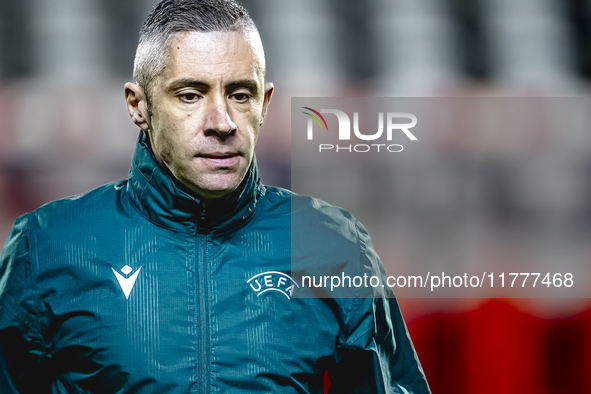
{"x": 244, "y": 83}
{"x": 179, "y": 83}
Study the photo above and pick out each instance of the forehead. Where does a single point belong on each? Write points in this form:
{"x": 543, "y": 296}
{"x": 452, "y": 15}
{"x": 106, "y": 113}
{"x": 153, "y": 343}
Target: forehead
{"x": 212, "y": 56}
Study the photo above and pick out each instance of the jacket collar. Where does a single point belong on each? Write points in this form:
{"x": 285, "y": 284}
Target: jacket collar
{"x": 166, "y": 202}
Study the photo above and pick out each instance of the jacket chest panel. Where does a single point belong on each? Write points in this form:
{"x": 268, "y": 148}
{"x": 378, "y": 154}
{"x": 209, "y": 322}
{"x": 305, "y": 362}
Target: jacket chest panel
{"x": 130, "y": 302}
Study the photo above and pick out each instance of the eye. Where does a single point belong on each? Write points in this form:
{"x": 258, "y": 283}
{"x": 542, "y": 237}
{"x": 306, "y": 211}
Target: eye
{"x": 241, "y": 97}
{"x": 188, "y": 97}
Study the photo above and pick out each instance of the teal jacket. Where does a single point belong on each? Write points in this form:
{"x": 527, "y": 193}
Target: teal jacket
{"x": 135, "y": 288}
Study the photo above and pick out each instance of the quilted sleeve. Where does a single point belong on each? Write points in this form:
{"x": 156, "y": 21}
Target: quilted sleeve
{"x": 377, "y": 354}
{"x": 21, "y": 348}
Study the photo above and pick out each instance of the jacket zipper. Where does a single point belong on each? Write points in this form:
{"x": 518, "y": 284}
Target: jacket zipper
{"x": 202, "y": 294}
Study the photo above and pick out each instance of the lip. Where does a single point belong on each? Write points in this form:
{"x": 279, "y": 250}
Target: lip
{"x": 218, "y": 155}
{"x": 220, "y": 159}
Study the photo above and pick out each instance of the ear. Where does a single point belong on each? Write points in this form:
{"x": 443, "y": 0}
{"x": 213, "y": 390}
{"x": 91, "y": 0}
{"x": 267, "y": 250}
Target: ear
{"x": 137, "y": 105}
{"x": 266, "y": 100}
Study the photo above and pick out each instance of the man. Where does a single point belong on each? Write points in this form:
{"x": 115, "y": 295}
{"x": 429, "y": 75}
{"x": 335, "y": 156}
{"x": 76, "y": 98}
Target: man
{"x": 180, "y": 278}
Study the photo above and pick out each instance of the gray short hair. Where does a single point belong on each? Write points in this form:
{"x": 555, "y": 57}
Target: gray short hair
{"x": 175, "y": 16}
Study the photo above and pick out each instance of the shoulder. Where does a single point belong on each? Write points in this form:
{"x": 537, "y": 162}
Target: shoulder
{"x": 315, "y": 216}
{"x": 328, "y": 241}
{"x": 325, "y": 239}
{"x": 80, "y": 208}
{"x": 56, "y": 232}
{"x": 16, "y": 244}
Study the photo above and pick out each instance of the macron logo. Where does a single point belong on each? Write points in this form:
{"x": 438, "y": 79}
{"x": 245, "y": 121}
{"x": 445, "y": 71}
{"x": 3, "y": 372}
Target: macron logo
{"x": 126, "y": 282}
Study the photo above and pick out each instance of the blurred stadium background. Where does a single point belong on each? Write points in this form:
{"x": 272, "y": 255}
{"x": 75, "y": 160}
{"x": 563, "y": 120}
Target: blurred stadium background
{"x": 64, "y": 129}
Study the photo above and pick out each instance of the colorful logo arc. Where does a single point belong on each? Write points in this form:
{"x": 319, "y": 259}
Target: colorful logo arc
{"x": 315, "y": 118}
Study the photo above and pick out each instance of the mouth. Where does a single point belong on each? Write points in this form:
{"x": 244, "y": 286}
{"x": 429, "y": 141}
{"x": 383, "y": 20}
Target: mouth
{"x": 218, "y": 155}
{"x": 220, "y": 159}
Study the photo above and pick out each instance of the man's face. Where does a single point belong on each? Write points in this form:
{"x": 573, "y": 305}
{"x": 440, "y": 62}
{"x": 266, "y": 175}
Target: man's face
{"x": 208, "y": 105}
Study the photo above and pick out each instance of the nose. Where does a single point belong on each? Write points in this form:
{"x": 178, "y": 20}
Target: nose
{"x": 218, "y": 121}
